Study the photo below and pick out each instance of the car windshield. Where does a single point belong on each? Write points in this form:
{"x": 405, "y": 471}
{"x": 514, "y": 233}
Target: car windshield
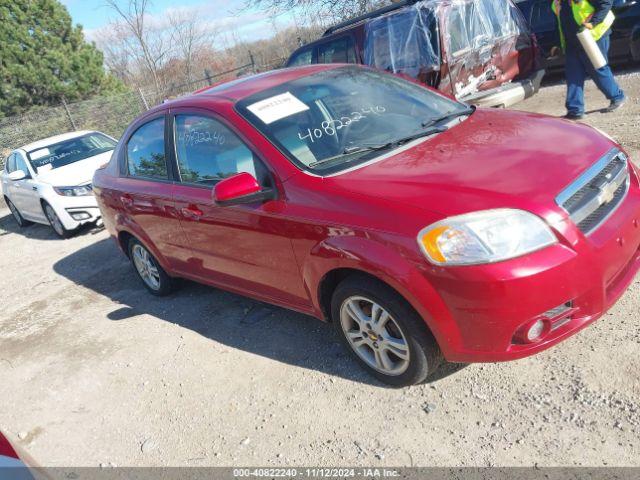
{"x": 335, "y": 119}
{"x": 69, "y": 151}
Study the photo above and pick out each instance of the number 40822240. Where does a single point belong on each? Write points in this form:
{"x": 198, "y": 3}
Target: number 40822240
{"x": 331, "y": 127}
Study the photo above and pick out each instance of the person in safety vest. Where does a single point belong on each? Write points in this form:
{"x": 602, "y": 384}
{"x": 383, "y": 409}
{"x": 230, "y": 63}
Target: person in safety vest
{"x": 595, "y": 15}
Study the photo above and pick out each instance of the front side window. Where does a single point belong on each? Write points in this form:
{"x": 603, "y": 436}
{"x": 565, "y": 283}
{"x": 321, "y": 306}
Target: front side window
{"x": 11, "y": 163}
{"x": 340, "y": 50}
{"x": 302, "y": 58}
{"x": 207, "y": 151}
{"x": 65, "y": 153}
{"x": 334, "y": 119}
{"x": 145, "y": 151}
{"x": 21, "y": 164}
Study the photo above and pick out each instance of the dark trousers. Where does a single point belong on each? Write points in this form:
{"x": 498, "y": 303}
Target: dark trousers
{"x": 578, "y": 68}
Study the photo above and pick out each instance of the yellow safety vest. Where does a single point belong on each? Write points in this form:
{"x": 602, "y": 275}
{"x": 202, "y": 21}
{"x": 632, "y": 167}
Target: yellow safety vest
{"x": 582, "y": 12}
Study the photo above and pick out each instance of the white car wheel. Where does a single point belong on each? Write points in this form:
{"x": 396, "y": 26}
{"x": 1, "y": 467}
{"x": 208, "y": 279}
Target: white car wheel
{"x": 55, "y": 222}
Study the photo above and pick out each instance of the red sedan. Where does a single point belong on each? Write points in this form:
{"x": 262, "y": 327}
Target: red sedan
{"x": 423, "y": 228}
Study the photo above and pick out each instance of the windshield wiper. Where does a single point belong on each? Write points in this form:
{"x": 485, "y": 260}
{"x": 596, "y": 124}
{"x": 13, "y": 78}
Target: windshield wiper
{"x": 459, "y": 113}
{"x": 430, "y": 126}
{"x": 382, "y": 146}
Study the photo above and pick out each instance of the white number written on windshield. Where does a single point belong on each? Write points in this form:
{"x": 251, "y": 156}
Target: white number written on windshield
{"x": 331, "y": 127}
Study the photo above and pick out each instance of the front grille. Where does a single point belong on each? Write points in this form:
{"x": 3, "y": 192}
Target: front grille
{"x": 597, "y": 193}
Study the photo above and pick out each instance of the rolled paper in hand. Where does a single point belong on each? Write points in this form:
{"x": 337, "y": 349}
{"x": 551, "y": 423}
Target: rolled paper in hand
{"x": 591, "y": 48}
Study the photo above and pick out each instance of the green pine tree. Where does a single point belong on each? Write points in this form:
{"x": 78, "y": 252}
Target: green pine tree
{"x": 44, "y": 58}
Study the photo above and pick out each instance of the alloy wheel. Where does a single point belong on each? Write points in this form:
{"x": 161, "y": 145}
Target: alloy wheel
{"x": 55, "y": 222}
{"x": 146, "y": 266}
{"x": 374, "y": 335}
{"x": 15, "y": 213}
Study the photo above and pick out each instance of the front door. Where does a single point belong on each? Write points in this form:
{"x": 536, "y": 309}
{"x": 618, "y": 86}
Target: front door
{"x": 243, "y": 247}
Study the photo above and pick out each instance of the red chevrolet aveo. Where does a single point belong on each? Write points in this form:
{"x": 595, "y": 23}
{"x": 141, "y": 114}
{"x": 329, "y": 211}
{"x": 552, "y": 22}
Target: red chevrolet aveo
{"x": 424, "y": 229}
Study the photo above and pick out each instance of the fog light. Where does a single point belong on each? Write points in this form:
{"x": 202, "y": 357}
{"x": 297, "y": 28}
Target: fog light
{"x": 536, "y": 331}
{"x": 533, "y": 331}
{"x": 80, "y": 216}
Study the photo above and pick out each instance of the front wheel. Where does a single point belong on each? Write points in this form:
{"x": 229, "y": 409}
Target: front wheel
{"x": 153, "y": 276}
{"x": 55, "y": 222}
{"x": 383, "y": 332}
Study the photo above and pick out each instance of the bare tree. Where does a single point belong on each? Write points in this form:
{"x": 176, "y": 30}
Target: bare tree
{"x": 149, "y": 45}
{"x": 189, "y": 36}
{"x": 112, "y": 40}
{"x": 325, "y": 11}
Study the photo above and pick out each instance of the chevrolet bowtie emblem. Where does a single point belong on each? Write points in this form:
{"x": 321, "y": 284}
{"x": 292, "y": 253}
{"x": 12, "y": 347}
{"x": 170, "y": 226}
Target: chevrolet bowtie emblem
{"x": 607, "y": 193}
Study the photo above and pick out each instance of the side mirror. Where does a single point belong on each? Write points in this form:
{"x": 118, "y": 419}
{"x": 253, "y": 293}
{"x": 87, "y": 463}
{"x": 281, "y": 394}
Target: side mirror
{"x": 17, "y": 175}
{"x": 241, "y": 188}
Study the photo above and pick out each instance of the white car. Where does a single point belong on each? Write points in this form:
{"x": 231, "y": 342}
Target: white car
{"x": 49, "y": 181}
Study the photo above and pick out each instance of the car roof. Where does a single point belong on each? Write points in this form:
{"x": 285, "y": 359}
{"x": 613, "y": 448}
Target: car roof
{"x": 55, "y": 139}
{"x": 243, "y": 87}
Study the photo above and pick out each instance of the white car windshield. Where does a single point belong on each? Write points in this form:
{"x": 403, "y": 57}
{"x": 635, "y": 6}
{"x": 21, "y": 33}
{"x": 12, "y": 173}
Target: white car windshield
{"x": 69, "y": 151}
{"x": 335, "y": 119}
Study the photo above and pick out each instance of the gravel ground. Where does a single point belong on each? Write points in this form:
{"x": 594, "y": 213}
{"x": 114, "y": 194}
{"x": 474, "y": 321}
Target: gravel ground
{"x": 97, "y": 372}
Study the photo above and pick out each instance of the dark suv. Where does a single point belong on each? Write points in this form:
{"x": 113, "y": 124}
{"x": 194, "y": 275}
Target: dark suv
{"x": 625, "y": 33}
{"x": 480, "y": 51}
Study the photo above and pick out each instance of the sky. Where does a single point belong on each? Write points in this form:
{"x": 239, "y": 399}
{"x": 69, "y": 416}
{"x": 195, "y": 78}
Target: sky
{"x": 225, "y": 14}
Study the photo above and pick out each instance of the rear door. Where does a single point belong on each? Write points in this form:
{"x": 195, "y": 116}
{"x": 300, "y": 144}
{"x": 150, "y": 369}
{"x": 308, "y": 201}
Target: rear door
{"x": 486, "y": 43}
{"x": 244, "y": 247}
{"x": 25, "y": 194}
{"x": 545, "y": 25}
{"x": 9, "y": 166}
{"x": 146, "y": 190}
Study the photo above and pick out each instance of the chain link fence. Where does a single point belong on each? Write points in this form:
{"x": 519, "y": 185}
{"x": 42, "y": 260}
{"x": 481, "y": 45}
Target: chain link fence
{"x": 109, "y": 114}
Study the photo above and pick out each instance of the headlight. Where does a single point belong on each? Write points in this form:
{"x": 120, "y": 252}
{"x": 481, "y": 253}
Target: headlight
{"x": 484, "y": 237}
{"x": 80, "y": 191}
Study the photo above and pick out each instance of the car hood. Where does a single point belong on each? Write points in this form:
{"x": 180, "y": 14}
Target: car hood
{"x": 77, "y": 173}
{"x": 493, "y": 159}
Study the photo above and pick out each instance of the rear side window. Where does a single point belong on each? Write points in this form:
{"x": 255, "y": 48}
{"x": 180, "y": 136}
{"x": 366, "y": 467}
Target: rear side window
{"x": 304, "y": 57}
{"x": 341, "y": 50}
{"x": 145, "y": 151}
{"x": 207, "y": 151}
{"x": 405, "y": 42}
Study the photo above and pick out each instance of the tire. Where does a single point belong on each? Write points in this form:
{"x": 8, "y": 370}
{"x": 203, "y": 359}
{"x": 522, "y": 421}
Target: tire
{"x": 412, "y": 353}
{"x": 17, "y": 216}
{"x": 152, "y": 275}
{"x": 54, "y": 221}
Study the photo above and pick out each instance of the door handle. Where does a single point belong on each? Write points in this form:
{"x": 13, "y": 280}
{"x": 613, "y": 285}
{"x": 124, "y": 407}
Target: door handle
{"x": 126, "y": 200}
{"x": 192, "y": 212}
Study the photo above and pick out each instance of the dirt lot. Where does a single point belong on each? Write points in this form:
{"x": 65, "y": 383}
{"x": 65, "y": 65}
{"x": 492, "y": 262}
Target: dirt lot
{"x": 95, "y": 371}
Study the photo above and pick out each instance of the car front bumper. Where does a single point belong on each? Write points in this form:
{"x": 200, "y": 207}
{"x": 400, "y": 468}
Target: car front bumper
{"x": 507, "y": 94}
{"x": 477, "y": 310}
{"x": 76, "y": 211}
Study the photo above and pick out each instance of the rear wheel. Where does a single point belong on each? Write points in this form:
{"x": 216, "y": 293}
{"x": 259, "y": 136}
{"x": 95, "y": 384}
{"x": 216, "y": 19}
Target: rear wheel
{"x": 153, "y": 276}
{"x": 55, "y": 222}
{"x": 383, "y": 332}
{"x": 16, "y": 214}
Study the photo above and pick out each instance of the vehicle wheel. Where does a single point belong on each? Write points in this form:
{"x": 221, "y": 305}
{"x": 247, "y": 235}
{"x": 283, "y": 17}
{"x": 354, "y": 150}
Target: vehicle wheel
{"x": 384, "y": 332}
{"x": 55, "y": 222}
{"x": 16, "y": 214}
{"x": 154, "y": 278}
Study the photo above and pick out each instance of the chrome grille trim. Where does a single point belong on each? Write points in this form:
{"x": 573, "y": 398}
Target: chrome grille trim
{"x": 598, "y": 192}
